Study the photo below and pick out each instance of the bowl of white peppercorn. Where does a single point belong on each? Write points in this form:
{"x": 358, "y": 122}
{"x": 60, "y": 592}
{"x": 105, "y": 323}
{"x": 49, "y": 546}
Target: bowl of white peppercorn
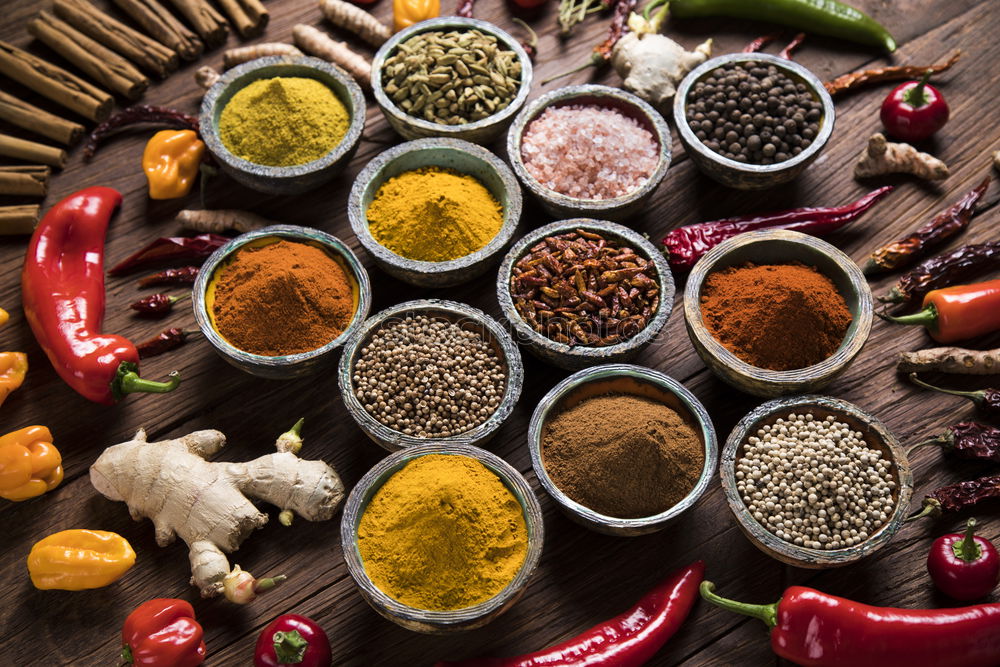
{"x": 752, "y": 121}
{"x": 430, "y": 371}
{"x": 816, "y": 482}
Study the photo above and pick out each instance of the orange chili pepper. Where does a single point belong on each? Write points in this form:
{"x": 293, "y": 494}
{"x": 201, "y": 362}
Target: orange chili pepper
{"x": 957, "y": 313}
{"x": 407, "y": 12}
{"x": 13, "y": 368}
{"x": 29, "y": 464}
{"x": 171, "y": 161}
{"x": 75, "y": 560}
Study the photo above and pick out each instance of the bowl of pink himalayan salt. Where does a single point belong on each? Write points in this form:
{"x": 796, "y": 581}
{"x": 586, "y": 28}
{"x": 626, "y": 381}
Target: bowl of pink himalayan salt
{"x": 590, "y": 151}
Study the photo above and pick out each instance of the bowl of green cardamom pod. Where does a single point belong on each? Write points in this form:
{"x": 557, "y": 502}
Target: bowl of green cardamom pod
{"x": 451, "y": 77}
{"x": 283, "y": 125}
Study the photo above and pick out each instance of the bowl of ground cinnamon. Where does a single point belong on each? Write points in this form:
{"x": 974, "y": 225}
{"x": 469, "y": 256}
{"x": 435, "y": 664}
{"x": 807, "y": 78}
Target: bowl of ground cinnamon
{"x": 623, "y": 449}
{"x": 277, "y": 302}
{"x": 777, "y": 312}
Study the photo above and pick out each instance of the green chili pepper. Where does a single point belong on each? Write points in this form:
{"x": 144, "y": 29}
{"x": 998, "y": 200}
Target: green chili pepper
{"x": 824, "y": 17}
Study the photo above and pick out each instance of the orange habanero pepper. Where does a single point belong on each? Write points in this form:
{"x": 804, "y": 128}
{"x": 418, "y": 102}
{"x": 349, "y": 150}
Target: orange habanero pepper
{"x": 13, "y": 368}
{"x": 75, "y": 560}
{"x": 407, "y": 12}
{"x": 171, "y": 161}
{"x": 29, "y": 464}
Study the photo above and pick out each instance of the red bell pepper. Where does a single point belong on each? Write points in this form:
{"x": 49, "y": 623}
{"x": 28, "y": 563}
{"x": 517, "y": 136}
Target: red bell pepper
{"x": 627, "y": 640}
{"x": 163, "y": 633}
{"x": 291, "y": 639}
{"x": 964, "y": 566}
{"x": 63, "y": 293}
{"x": 813, "y": 629}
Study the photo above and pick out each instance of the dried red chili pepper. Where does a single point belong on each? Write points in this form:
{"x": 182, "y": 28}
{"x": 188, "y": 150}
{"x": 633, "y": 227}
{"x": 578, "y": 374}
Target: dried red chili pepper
{"x": 789, "y": 49}
{"x": 156, "y": 305}
{"x": 946, "y": 225}
{"x": 759, "y": 43}
{"x": 163, "y": 342}
{"x": 986, "y": 400}
{"x": 465, "y": 8}
{"x": 185, "y": 275}
{"x": 956, "y": 497}
{"x": 685, "y": 245}
{"x": 853, "y": 80}
{"x": 951, "y": 268}
{"x": 968, "y": 440}
{"x": 530, "y": 45}
{"x": 169, "y": 249}
{"x": 134, "y": 115}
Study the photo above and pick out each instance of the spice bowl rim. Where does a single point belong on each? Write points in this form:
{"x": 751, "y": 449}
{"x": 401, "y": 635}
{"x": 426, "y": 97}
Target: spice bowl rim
{"x": 787, "y": 552}
{"x": 358, "y": 214}
{"x": 232, "y": 77}
{"x": 775, "y": 170}
{"x": 394, "y": 440}
{"x": 762, "y": 381}
{"x": 569, "y": 356}
{"x": 429, "y": 621}
{"x": 391, "y": 110}
{"x": 548, "y": 407}
{"x": 565, "y": 95}
{"x": 272, "y": 366}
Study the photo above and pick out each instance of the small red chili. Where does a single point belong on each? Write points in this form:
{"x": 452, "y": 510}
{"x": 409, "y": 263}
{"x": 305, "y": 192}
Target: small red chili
{"x": 964, "y": 566}
{"x": 914, "y": 110}
{"x": 291, "y": 639}
{"x": 163, "y": 633}
{"x": 957, "y": 313}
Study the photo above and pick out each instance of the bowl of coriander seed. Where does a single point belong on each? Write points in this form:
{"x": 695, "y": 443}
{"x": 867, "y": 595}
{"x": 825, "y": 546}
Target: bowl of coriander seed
{"x": 816, "y": 482}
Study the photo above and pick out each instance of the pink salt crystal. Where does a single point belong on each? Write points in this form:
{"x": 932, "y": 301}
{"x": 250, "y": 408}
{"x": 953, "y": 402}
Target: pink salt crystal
{"x": 588, "y": 152}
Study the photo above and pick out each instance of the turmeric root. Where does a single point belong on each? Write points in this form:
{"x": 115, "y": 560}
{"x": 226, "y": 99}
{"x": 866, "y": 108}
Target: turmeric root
{"x": 348, "y": 17}
{"x": 884, "y": 157}
{"x": 220, "y": 220}
{"x": 207, "y": 504}
{"x": 245, "y": 54}
{"x": 950, "y": 360}
{"x": 314, "y": 41}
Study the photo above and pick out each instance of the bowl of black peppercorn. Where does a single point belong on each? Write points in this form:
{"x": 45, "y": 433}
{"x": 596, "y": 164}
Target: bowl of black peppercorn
{"x": 752, "y": 121}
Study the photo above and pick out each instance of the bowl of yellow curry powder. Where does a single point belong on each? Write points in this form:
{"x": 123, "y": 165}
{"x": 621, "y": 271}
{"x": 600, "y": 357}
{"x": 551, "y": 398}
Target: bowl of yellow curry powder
{"x": 442, "y": 538}
{"x": 283, "y": 125}
{"x": 435, "y": 212}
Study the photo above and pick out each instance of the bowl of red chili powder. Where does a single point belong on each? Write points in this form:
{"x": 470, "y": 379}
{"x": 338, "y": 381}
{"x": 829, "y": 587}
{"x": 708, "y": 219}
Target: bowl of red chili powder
{"x": 277, "y": 302}
{"x": 776, "y": 312}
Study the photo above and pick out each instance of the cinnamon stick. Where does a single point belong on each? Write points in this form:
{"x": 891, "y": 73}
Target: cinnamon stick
{"x": 163, "y": 27}
{"x": 55, "y": 83}
{"x": 145, "y": 52}
{"x": 28, "y": 116}
{"x": 31, "y": 180}
{"x": 31, "y": 151}
{"x": 19, "y": 219}
{"x": 102, "y": 64}
{"x": 248, "y": 16}
{"x": 208, "y": 23}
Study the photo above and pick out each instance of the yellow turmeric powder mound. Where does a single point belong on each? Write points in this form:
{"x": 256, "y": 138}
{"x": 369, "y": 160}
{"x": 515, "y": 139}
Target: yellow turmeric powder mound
{"x": 434, "y": 215}
{"x": 283, "y": 121}
{"x": 443, "y": 533}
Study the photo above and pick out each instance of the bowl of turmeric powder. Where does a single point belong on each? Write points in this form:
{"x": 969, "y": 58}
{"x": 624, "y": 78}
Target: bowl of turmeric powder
{"x": 283, "y": 124}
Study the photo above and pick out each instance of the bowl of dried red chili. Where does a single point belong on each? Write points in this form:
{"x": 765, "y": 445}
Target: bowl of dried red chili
{"x": 777, "y": 312}
{"x": 840, "y": 481}
{"x": 583, "y": 292}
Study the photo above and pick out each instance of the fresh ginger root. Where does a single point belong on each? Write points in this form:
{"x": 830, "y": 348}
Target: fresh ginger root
{"x": 884, "y": 157}
{"x": 205, "y": 76}
{"x": 221, "y": 220}
{"x": 652, "y": 65}
{"x": 206, "y": 503}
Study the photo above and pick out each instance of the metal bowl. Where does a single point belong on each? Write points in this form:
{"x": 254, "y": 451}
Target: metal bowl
{"x": 739, "y": 174}
{"x": 456, "y": 154}
{"x": 622, "y": 379}
{"x": 779, "y": 247}
{"x": 298, "y": 178}
{"x": 481, "y": 131}
{"x": 291, "y": 365}
{"x": 468, "y": 318}
{"x": 564, "y": 206}
{"x": 422, "y": 620}
{"x": 576, "y": 357}
{"x": 876, "y": 435}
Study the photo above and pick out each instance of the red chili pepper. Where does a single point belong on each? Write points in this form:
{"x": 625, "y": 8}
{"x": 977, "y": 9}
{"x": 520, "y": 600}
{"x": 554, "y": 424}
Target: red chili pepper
{"x": 185, "y": 275}
{"x": 790, "y": 48}
{"x": 957, "y": 313}
{"x": 627, "y": 640}
{"x": 163, "y": 633}
{"x": 959, "y": 496}
{"x": 986, "y": 400}
{"x": 156, "y": 305}
{"x": 168, "y": 249}
{"x": 950, "y": 268}
{"x": 63, "y": 294}
{"x": 165, "y": 341}
{"x": 464, "y": 8}
{"x": 138, "y": 114}
{"x": 813, "y": 629}
{"x": 760, "y": 42}
{"x": 968, "y": 440}
{"x": 291, "y": 639}
{"x": 964, "y": 566}
{"x": 914, "y": 110}
{"x": 685, "y": 245}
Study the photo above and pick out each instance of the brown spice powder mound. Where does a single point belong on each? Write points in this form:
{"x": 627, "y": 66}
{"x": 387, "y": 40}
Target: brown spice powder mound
{"x": 623, "y": 456}
{"x": 283, "y": 298}
{"x": 775, "y": 316}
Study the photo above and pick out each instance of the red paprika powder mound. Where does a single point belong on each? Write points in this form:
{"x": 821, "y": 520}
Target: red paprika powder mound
{"x": 283, "y": 298}
{"x": 775, "y": 316}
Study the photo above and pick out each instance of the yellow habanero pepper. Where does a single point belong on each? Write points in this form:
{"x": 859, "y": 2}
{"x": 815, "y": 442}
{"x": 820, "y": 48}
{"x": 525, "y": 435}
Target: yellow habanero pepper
{"x": 75, "y": 560}
{"x": 29, "y": 464}
{"x": 3, "y": 317}
{"x": 13, "y": 368}
{"x": 171, "y": 162}
{"x": 407, "y": 12}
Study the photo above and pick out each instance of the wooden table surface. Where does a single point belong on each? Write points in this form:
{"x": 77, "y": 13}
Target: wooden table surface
{"x": 583, "y": 577}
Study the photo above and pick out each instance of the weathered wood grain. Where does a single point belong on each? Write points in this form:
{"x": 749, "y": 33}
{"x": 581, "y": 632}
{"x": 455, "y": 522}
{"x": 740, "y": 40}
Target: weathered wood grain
{"x": 583, "y": 577}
